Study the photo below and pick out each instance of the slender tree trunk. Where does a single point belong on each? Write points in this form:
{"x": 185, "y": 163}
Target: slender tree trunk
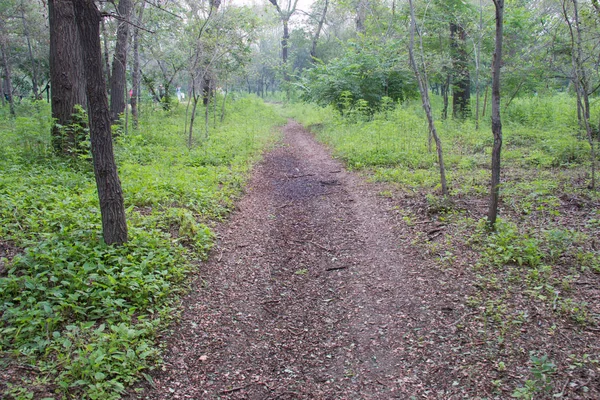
{"x": 313, "y": 50}
{"x": 580, "y": 80}
{"x": 119, "y": 78}
{"x": 422, "y": 81}
{"x": 206, "y": 114}
{"x": 136, "y": 68}
{"x": 284, "y": 44}
{"x": 485, "y": 97}
{"x": 361, "y": 15}
{"x": 445, "y": 90}
{"x": 461, "y": 85}
{"x": 114, "y": 224}
{"x": 7, "y": 72}
{"x": 192, "y": 118}
{"x": 2, "y": 91}
{"x": 215, "y": 106}
{"x": 106, "y": 57}
{"x": 477, "y": 65}
{"x": 224, "y": 103}
{"x": 512, "y": 97}
{"x": 496, "y": 121}
{"x": 66, "y": 71}
{"x": 34, "y": 78}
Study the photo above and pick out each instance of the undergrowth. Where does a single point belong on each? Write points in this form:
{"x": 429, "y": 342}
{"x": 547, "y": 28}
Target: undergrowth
{"x": 83, "y": 315}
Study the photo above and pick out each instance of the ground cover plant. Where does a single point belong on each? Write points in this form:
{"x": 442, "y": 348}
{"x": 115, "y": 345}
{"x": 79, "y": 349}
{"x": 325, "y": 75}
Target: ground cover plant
{"x": 79, "y": 319}
{"x": 529, "y": 290}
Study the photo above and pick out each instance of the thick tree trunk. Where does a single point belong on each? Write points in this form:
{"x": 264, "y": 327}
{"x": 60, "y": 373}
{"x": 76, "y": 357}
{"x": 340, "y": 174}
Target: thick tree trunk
{"x": 66, "y": 71}
{"x": 114, "y": 225}
{"x": 422, "y": 81}
{"x": 496, "y": 121}
{"x": 7, "y": 73}
{"x": 119, "y": 79}
{"x": 136, "y": 68}
{"x": 461, "y": 82}
{"x": 313, "y": 50}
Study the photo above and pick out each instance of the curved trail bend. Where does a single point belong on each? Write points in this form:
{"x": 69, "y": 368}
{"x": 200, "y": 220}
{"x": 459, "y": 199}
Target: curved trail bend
{"x": 306, "y": 295}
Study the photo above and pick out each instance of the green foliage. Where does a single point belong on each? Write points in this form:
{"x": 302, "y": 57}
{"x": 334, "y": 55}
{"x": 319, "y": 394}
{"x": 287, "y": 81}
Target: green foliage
{"x": 542, "y": 371}
{"x": 360, "y": 80}
{"x": 73, "y": 139}
{"x": 86, "y": 313}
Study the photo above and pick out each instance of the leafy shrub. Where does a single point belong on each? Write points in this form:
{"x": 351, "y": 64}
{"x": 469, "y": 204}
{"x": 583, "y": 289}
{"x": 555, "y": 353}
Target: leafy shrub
{"x": 365, "y": 73}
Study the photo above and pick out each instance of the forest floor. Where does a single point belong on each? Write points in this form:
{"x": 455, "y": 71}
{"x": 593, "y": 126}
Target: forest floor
{"x": 316, "y": 289}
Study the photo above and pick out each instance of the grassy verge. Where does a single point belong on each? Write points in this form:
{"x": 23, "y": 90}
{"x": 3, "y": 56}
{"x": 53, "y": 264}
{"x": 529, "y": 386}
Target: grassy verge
{"x": 78, "y": 319}
{"x": 531, "y": 286}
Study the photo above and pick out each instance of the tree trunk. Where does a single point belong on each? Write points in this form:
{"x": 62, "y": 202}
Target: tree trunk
{"x": 207, "y": 113}
{"x": 7, "y": 74}
{"x": 106, "y": 57}
{"x": 580, "y": 80}
{"x": 485, "y": 97}
{"x": 193, "y": 117}
{"x": 114, "y": 224}
{"x": 284, "y": 42}
{"x": 477, "y": 65}
{"x": 224, "y": 103}
{"x": 496, "y": 121}
{"x": 119, "y": 79}
{"x": 34, "y": 79}
{"x": 313, "y": 50}
{"x": 445, "y": 90}
{"x": 136, "y": 68}
{"x": 361, "y": 15}
{"x": 422, "y": 81}
{"x": 461, "y": 82}
{"x": 66, "y": 72}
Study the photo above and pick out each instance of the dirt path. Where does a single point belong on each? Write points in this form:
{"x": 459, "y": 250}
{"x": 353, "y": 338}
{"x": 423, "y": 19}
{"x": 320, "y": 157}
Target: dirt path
{"x": 307, "y": 295}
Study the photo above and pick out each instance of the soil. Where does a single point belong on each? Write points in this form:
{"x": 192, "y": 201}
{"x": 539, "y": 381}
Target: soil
{"x": 318, "y": 290}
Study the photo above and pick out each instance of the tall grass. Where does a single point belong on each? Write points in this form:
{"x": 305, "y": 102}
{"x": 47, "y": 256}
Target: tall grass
{"x": 538, "y": 132}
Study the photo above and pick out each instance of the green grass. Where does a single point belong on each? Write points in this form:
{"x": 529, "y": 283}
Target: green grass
{"x": 84, "y": 314}
{"x": 537, "y": 133}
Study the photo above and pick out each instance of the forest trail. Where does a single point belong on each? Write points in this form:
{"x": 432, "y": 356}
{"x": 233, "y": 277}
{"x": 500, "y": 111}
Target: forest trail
{"x": 306, "y": 296}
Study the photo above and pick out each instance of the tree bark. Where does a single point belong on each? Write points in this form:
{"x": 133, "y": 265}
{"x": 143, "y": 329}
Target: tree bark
{"x": 114, "y": 224}
{"x": 7, "y": 73}
{"x": 461, "y": 82}
{"x": 284, "y": 41}
{"x": 106, "y": 56}
{"x": 66, "y": 72}
{"x": 361, "y": 15}
{"x": 136, "y": 68}
{"x": 313, "y": 50}
{"x": 34, "y": 78}
{"x": 580, "y": 80}
{"x": 496, "y": 121}
{"x": 285, "y": 16}
{"x": 118, "y": 78}
{"x": 423, "y": 89}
